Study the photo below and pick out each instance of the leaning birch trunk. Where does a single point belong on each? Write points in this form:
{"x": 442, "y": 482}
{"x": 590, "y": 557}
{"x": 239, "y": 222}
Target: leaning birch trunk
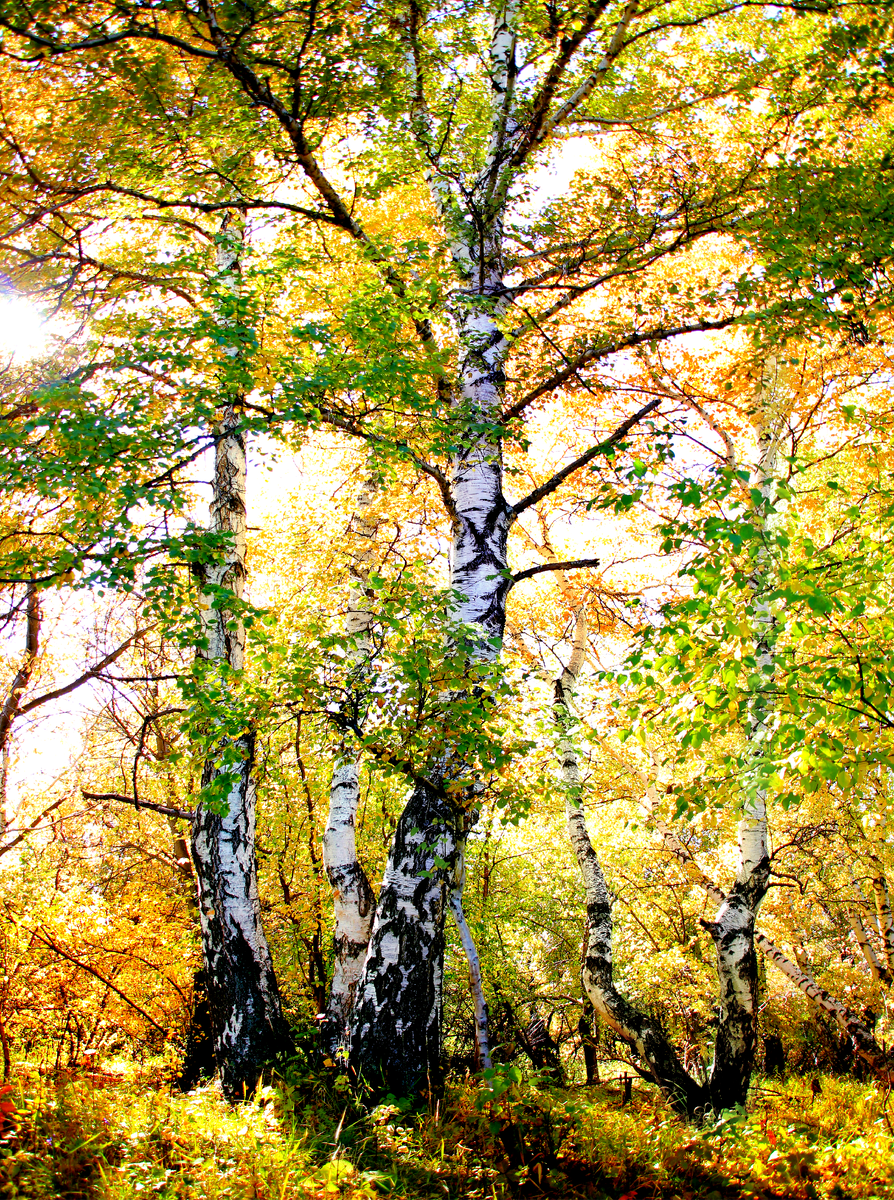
{"x": 250, "y": 1032}
{"x": 396, "y": 1034}
{"x": 735, "y": 1046}
{"x": 878, "y": 969}
{"x": 597, "y": 972}
{"x": 352, "y": 895}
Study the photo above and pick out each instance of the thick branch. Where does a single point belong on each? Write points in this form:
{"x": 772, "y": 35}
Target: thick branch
{"x": 559, "y": 478}
{"x": 239, "y": 204}
{"x": 568, "y": 47}
{"x": 614, "y": 48}
{"x": 595, "y": 353}
{"x": 53, "y": 49}
{"x": 572, "y": 565}
{"x": 92, "y": 673}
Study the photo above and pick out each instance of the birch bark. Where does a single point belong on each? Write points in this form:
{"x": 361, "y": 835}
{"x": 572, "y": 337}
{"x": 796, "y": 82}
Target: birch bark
{"x": 250, "y": 1031}
{"x": 352, "y": 894}
{"x": 733, "y": 929}
{"x": 397, "y": 1029}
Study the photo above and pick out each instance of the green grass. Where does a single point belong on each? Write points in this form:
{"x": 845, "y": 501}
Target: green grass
{"x": 308, "y": 1137}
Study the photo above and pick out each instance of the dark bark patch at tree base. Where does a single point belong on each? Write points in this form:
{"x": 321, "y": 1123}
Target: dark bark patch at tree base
{"x": 199, "y": 1061}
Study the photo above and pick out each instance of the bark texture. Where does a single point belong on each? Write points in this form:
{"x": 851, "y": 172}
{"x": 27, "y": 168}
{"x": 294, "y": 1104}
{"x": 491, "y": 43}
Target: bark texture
{"x": 250, "y": 1032}
{"x": 472, "y": 209}
{"x": 396, "y": 1028}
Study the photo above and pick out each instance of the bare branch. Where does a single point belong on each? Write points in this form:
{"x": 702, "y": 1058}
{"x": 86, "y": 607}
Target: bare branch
{"x": 166, "y": 810}
{"x": 92, "y": 673}
{"x": 23, "y": 833}
{"x": 102, "y": 979}
{"x": 435, "y": 473}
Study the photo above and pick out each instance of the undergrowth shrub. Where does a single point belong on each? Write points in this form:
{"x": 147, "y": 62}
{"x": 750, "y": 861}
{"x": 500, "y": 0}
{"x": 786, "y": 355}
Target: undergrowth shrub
{"x": 483, "y": 1139}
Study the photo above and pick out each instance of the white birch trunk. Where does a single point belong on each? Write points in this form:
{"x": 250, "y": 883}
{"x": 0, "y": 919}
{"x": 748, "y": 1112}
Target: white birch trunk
{"x": 733, "y": 929}
{"x": 352, "y": 895}
{"x": 876, "y": 969}
{"x": 885, "y": 919}
{"x": 396, "y": 1033}
{"x": 250, "y": 1032}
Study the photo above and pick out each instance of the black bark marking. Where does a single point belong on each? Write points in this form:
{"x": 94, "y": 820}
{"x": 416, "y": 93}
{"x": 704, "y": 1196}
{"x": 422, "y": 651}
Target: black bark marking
{"x": 250, "y": 1032}
{"x": 396, "y": 1035}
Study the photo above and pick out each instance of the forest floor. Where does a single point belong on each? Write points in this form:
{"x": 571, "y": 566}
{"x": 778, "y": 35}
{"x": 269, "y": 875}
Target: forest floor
{"x": 115, "y": 1134}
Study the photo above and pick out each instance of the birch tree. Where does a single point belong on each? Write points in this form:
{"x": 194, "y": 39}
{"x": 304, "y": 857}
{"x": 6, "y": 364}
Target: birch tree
{"x": 352, "y": 893}
{"x": 250, "y": 1031}
{"x": 504, "y": 297}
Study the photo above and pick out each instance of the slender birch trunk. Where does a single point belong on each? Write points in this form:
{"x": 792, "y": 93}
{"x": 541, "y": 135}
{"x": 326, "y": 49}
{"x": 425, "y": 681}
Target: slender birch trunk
{"x": 733, "y": 929}
{"x": 597, "y": 971}
{"x": 352, "y": 894}
{"x": 472, "y": 210}
{"x": 885, "y": 918}
{"x": 878, "y": 969}
{"x": 250, "y": 1032}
